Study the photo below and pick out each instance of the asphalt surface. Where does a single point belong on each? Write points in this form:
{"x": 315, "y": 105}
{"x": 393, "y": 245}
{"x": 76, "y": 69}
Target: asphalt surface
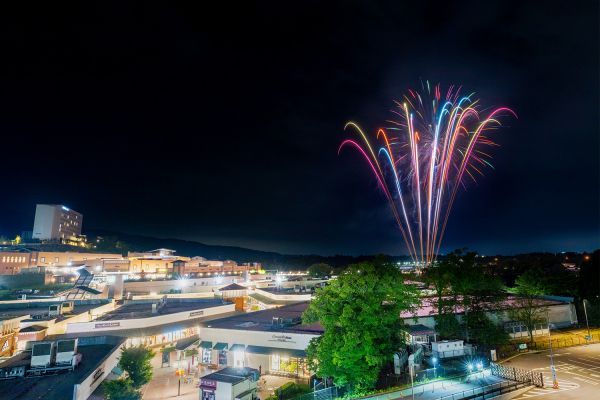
{"x": 577, "y": 371}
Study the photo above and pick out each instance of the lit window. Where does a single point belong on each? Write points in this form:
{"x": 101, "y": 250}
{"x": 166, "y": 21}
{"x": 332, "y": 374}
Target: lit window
{"x": 43, "y": 259}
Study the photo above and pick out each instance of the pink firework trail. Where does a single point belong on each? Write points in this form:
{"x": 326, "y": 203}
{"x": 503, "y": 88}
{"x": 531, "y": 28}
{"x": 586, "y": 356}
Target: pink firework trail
{"x": 434, "y": 146}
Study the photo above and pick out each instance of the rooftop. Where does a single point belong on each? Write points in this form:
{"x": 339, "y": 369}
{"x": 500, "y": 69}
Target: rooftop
{"x": 144, "y": 310}
{"x": 39, "y": 310}
{"x": 232, "y": 375}
{"x": 263, "y": 320}
{"x": 428, "y": 308}
{"x": 54, "y": 387}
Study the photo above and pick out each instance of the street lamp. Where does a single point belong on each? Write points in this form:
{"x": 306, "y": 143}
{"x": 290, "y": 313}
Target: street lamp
{"x": 589, "y": 336}
{"x": 434, "y": 362}
{"x": 552, "y": 368}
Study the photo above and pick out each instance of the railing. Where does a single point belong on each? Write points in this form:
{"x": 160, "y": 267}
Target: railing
{"x": 330, "y": 393}
{"x": 490, "y": 391}
{"x": 563, "y": 342}
{"x": 517, "y": 374}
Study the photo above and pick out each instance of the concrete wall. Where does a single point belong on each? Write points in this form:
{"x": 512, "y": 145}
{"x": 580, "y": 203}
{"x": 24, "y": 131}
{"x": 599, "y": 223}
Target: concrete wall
{"x": 283, "y": 297}
{"x": 85, "y": 389}
{"x": 115, "y": 324}
{"x": 62, "y": 326}
{"x": 185, "y": 285}
{"x": 296, "y": 341}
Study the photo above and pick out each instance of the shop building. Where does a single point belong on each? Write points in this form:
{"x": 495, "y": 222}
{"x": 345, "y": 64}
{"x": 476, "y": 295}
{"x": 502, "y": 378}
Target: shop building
{"x": 273, "y": 341}
{"x": 230, "y": 383}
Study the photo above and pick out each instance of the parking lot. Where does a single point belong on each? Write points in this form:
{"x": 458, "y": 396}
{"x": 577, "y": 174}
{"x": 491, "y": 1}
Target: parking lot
{"x": 577, "y": 371}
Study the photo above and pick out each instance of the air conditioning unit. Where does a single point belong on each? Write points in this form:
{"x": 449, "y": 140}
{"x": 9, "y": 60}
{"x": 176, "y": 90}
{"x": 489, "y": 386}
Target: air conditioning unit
{"x": 65, "y": 350}
{"x": 41, "y": 354}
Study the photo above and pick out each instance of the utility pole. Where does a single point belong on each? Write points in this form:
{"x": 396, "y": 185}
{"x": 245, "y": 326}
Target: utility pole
{"x": 554, "y": 380}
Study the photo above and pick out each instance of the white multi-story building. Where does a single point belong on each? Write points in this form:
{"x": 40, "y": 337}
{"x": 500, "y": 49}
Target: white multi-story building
{"x": 56, "y": 222}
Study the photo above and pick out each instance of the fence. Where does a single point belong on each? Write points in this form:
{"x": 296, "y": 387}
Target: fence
{"x": 517, "y": 374}
{"x": 330, "y": 393}
{"x": 491, "y": 391}
{"x": 563, "y": 342}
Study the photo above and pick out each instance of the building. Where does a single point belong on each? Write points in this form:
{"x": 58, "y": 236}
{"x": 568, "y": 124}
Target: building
{"x": 56, "y": 222}
{"x": 272, "y": 341}
{"x": 92, "y": 360}
{"x": 155, "y": 321}
{"x": 16, "y": 260}
{"x": 229, "y": 384}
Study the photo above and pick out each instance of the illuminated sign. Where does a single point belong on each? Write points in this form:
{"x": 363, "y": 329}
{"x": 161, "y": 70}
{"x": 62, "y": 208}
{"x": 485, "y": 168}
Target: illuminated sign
{"x": 281, "y": 338}
{"x": 210, "y": 384}
{"x": 107, "y": 325}
{"x": 196, "y": 313}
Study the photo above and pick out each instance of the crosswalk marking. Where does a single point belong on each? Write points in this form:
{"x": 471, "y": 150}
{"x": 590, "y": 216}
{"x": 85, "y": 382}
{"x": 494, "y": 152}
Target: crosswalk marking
{"x": 540, "y": 391}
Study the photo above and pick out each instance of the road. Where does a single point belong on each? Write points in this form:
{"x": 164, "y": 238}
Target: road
{"x": 577, "y": 370}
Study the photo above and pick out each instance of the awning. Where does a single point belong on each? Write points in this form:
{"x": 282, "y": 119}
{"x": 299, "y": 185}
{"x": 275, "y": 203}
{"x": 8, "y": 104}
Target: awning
{"x": 206, "y": 345}
{"x": 237, "y": 347}
{"x": 276, "y": 350}
{"x": 220, "y": 346}
{"x": 186, "y": 343}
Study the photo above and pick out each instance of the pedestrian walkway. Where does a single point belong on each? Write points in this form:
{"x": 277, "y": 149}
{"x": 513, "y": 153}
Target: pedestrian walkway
{"x": 165, "y": 383}
{"x": 437, "y": 389}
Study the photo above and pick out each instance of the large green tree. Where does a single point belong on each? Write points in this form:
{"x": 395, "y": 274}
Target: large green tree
{"x": 528, "y": 309}
{"x": 360, "y": 312}
{"x": 320, "y": 270}
{"x": 136, "y": 362}
{"x": 120, "y": 389}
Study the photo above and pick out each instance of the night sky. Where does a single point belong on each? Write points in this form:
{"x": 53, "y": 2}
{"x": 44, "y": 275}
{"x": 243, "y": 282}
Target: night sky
{"x": 222, "y": 125}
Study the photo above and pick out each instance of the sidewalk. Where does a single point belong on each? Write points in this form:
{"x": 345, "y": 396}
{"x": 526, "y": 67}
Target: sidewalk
{"x": 164, "y": 383}
{"x": 437, "y": 389}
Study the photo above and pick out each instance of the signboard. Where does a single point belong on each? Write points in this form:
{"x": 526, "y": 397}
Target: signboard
{"x": 107, "y": 325}
{"x": 522, "y": 346}
{"x": 209, "y": 384}
{"x": 98, "y": 374}
{"x": 281, "y": 338}
{"x": 196, "y": 313}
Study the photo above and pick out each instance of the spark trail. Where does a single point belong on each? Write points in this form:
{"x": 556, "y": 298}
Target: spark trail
{"x": 436, "y": 143}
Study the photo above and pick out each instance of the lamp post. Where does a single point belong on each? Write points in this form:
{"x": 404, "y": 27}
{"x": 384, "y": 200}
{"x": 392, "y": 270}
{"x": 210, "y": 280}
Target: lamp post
{"x": 589, "y": 336}
{"x": 552, "y": 368}
{"x": 411, "y": 368}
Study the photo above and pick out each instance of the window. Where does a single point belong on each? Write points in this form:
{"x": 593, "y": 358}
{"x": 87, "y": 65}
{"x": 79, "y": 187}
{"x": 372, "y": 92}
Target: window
{"x": 55, "y": 259}
{"x": 238, "y": 358}
{"x": 43, "y": 259}
{"x": 206, "y": 356}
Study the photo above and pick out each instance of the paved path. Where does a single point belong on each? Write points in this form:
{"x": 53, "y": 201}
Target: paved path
{"x": 437, "y": 389}
{"x": 164, "y": 382}
{"x": 577, "y": 370}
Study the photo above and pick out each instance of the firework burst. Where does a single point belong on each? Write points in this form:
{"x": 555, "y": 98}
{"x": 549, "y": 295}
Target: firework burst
{"x": 436, "y": 143}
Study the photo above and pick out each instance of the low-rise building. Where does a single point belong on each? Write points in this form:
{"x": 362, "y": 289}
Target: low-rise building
{"x": 272, "y": 341}
{"x": 229, "y": 384}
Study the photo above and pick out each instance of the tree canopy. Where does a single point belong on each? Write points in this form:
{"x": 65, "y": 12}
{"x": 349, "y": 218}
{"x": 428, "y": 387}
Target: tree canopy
{"x": 360, "y": 312}
{"x": 136, "y": 362}
{"x": 319, "y": 270}
{"x": 120, "y": 389}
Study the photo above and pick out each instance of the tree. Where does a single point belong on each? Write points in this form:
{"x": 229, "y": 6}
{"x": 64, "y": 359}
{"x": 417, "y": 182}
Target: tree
{"x": 360, "y": 312}
{"x": 320, "y": 270}
{"x": 439, "y": 277}
{"x": 136, "y": 362}
{"x": 120, "y": 389}
{"x": 528, "y": 310}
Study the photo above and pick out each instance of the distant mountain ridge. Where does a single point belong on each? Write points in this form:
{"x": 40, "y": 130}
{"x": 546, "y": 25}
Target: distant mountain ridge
{"x": 269, "y": 259}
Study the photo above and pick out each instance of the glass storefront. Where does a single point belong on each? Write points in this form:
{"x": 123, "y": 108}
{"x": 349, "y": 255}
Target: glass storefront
{"x": 293, "y": 366}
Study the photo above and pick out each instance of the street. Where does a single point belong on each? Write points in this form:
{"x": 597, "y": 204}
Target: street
{"x": 577, "y": 370}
